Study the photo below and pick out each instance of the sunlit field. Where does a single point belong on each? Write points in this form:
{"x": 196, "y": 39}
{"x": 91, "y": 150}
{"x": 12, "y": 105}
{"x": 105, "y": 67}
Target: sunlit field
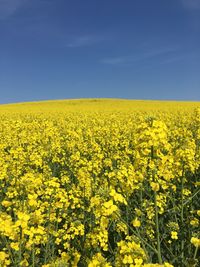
{"x": 100, "y": 183}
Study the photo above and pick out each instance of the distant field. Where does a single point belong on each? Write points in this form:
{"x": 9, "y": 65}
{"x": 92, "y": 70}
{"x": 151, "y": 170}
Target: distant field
{"x": 100, "y": 182}
{"x": 101, "y": 104}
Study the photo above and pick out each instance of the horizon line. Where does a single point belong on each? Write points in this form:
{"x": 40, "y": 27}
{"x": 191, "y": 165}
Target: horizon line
{"x": 96, "y": 98}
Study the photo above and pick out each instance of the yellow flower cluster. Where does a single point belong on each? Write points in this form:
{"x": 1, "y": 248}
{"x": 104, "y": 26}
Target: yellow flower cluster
{"x": 195, "y": 241}
{"x": 99, "y": 183}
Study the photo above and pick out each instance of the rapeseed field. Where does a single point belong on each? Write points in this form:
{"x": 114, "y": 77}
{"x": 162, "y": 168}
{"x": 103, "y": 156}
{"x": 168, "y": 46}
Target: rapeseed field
{"x": 100, "y": 183}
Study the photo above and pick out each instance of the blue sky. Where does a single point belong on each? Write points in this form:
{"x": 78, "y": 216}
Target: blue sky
{"x": 138, "y": 49}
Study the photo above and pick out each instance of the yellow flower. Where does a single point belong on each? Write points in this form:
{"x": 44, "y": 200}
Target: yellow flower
{"x": 98, "y": 261}
{"x": 14, "y": 246}
{"x": 94, "y": 263}
{"x": 23, "y": 219}
{"x": 155, "y": 186}
{"x": 166, "y": 264}
{"x": 127, "y": 259}
{"x": 24, "y": 263}
{"x": 174, "y": 235}
{"x": 3, "y": 256}
{"x": 194, "y": 222}
{"x": 6, "y": 203}
{"x": 117, "y": 197}
{"x": 32, "y": 200}
{"x": 136, "y": 223}
{"x": 138, "y": 212}
{"x": 109, "y": 208}
{"x": 138, "y": 262}
{"x": 4, "y": 259}
{"x": 195, "y": 241}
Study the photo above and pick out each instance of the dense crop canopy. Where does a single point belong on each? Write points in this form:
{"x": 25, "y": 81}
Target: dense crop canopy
{"x": 100, "y": 183}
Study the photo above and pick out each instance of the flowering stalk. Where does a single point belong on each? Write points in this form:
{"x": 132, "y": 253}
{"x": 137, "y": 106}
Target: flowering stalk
{"x": 157, "y": 229}
{"x": 195, "y": 252}
{"x": 33, "y": 255}
{"x": 156, "y": 217}
{"x": 182, "y": 218}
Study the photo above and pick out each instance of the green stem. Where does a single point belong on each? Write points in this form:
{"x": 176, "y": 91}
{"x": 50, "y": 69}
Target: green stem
{"x": 33, "y": 256}
{"x": 156, "y": 216}
{"x": 127, "y": 217}
{"x": 143, "y": 246}
{"x": 8, "y": 248}
{"x": 141, "y": 239}
{"x": 47, "y": 252}
{"x": 157, "y": 229}
{"x": 195, "y": 252}
{"x": 190, "y": 198}
{"x": 178, "y": 256}
{"x": 182, "y": 219}
{"x": 184, "y": 203}
{"x": 167, "y": 247}
{"x": 20, "y": 245}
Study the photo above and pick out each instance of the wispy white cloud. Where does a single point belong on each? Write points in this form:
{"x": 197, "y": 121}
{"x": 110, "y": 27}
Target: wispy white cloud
{"x": 127, "y": 60}
{"x": 191, "y": 4}
{"x": 9, "y": 7}
{"x": 83, "y": 40}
